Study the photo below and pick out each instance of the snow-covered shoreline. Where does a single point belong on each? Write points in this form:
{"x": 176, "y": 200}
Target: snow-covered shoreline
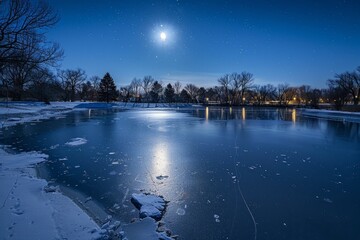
{"x": 29, "y": 210}
{"x": 13, "y": 113}
{"x": 21, "y": 112}
{"x": 332, "y": 115}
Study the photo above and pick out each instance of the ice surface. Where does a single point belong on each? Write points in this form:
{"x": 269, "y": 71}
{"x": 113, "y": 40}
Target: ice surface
{"x": 143, "y": 229}
{"x": 161, "y": 177}
{"x": 180, "y": 211}
{"x": 13, "y": 113}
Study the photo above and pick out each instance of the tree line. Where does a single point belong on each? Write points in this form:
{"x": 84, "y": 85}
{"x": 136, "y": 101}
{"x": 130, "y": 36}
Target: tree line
{"x": 29, "y": 70}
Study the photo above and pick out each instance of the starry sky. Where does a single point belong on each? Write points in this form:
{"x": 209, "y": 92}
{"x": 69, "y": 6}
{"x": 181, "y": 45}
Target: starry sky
{"x": 295, "y": 42}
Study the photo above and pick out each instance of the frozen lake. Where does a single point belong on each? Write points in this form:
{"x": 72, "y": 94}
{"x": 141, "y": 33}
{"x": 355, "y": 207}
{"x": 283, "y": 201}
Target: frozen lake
{"x": 229, "y": 173}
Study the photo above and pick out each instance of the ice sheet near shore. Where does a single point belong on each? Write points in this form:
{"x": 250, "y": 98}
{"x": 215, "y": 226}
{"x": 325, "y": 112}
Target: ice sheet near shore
{"x": 13, "y": 113}
{"x": 333, "y": 115}
{"x": 28, "y": 212}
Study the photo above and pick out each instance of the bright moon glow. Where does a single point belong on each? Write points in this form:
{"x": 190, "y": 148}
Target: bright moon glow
{"x": 163, "y": 36}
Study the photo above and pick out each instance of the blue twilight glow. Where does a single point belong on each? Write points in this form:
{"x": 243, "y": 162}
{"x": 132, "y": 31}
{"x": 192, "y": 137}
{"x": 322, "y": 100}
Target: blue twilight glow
{"x": 298, "y": 42}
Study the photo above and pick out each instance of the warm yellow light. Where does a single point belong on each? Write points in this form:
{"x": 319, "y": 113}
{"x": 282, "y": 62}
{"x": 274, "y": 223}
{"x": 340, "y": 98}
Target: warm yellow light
{"x": 207, "y": 113}
{"x": 243, "y": 113}
{"x": 293, "y": 115}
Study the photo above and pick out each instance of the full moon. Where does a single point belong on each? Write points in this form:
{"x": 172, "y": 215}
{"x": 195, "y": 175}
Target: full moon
{"x": 163, "y": 36}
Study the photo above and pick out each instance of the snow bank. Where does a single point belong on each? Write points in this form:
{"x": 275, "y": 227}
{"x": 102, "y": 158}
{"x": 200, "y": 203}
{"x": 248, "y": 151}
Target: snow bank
{"x": 333, "y": 115}
{"x": 29, "y": 212}
{"x": 13, "y": 113}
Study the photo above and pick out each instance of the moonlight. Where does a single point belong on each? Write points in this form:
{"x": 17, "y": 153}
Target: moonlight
{"x": 163, "y": 36}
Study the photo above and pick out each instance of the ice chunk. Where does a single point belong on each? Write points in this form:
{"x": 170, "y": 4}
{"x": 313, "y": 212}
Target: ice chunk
{"x": 76, "y": 142}
{"x": 149, "y": 205}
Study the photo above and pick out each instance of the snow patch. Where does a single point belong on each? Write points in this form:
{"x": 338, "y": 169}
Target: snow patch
{"x": 31, "y": 209}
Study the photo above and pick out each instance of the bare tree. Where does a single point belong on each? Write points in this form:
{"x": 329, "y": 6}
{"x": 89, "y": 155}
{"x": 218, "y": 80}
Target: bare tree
{"x": 72, "y": 80}
{"x": 246, "y": 82}
{"x": 192, "y": 90}
{"x": 95, "y": 83}
{"x": 235, "y": 83}
{"x": 337, "y": 95}
{"x": 125, "y": 93}
{"x": 225, "y": 82}
{"x": 177, "y": 89}
{"x": 305, "y": 94}
{"x": 31, "y": 59}
{"x": 349, "y": 82}
{"x": 282, "y": 89}
{"x": 147, "y": 85}
{"x": 44, "y": 86}
{"x": 135, "y": 86}
{"x": 265, "y": 93}
{"x": 23, "y": 46}
{"x": 23, "y": 22}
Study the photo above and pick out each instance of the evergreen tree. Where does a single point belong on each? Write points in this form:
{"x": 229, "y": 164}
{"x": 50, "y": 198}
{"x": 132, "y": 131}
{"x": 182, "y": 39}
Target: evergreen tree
{"x": 184, "y": 96}
{"x": 169, "y": 93}
{"x": 156, "y": 91}
{"x": 107, "y": 91}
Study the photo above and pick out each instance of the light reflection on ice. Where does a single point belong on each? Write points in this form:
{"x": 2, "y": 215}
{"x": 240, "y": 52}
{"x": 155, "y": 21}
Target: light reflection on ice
{"x": 161, "y": 161}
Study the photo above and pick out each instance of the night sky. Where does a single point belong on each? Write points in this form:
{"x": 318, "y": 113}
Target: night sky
{"x": 294, "y": 42}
